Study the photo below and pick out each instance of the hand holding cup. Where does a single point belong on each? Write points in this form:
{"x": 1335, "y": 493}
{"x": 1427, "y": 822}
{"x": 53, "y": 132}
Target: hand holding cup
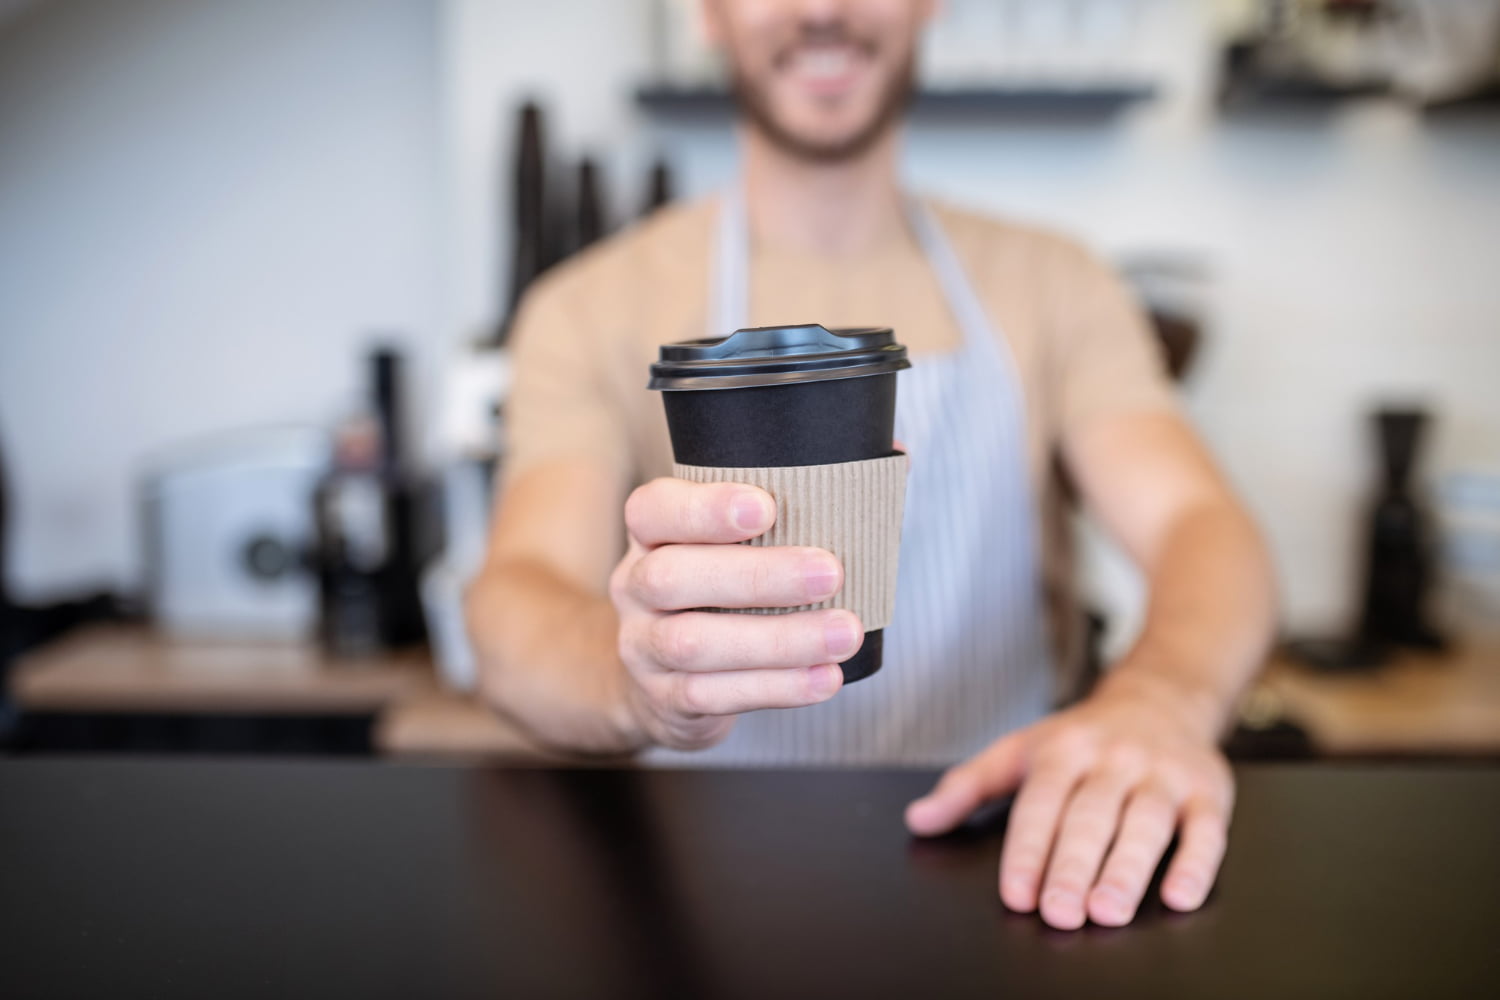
{"x": 692, "y": 671}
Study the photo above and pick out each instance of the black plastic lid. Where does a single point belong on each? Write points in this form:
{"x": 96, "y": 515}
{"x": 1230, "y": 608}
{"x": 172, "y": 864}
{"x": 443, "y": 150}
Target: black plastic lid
{"x": 776, "y": 355}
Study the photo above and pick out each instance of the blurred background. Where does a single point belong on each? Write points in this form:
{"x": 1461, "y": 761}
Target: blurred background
{"x": 258, "y": 257}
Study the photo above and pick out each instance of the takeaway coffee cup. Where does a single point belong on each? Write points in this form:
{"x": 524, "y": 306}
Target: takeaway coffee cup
{"x": 808, "y": 414}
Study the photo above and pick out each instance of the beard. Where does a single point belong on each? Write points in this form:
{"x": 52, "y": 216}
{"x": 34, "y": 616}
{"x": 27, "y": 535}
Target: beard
{"x": 893, "y": 101}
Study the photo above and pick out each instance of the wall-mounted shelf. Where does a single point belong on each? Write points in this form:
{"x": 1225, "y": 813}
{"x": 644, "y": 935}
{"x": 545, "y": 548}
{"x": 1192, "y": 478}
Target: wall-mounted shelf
{"x": 1295, "y": 97}
{"x": 1484, "y": 103}
{"x": 1247, "y": 93}
{"x": 1023, "y": 102}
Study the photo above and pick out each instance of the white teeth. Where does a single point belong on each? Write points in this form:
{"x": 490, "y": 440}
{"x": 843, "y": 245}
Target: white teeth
{"x": 823, "y": 64}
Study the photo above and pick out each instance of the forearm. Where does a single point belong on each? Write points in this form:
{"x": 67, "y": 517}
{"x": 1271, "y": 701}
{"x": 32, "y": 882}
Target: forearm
{"x": 547, "y": 658}
{"x": 1210, "y": 617}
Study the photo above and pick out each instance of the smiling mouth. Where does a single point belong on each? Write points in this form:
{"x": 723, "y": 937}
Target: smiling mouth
{"x": 825, "y": 67}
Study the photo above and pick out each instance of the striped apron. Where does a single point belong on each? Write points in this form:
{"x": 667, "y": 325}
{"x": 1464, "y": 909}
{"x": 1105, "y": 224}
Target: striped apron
{"x": 967, "y": 653}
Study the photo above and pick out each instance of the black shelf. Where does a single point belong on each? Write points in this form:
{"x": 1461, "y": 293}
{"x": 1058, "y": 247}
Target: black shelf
{"x": 1024, "y": 102}
{"x": 1259, "y": 94}
{"x": 1248, "y": 86}
{"x": 1484, "y": 102}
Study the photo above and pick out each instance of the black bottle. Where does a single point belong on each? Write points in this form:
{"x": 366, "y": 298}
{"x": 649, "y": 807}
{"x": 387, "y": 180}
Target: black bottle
{"x": 529, "y": 253}
{"x": 1398, "y": 572}
{"x": 367, "y": 509}
{"x": 591, "y": 221}
{"x": 659, "y": 187}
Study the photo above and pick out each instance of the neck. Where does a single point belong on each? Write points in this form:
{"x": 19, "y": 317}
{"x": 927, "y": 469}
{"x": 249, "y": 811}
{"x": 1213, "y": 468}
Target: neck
{"x": 828, "y": 208}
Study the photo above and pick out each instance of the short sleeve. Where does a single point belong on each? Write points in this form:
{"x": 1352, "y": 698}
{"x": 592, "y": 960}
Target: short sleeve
{"x": 1107, "y": 361}
{"x": 559, "y": 404}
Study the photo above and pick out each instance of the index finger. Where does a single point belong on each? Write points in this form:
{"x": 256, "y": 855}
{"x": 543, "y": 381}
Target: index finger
{"x": 673, "y": 511}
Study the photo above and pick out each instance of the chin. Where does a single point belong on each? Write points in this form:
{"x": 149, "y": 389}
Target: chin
{"x": 822, "y": 127}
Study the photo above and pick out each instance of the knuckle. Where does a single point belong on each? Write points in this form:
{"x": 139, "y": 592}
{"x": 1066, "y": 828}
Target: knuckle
{"x": 1127, "y": 759}
{"x": 650, "y": 578}
{"x": 1090, "y": 828}
{"x": 760, "y": 575}
{"x": 1175, "y": 777}
{"x": 690, "y": 515}
{"x": 1124, "y": 886}
{"x": 1131, "y": 861}
{"x": 1072, "y": 744}
{"x": 1218, "y": 777}
{"x": 627, "y": 644}
{"x": 1069, "y": 874}
{"x": 676, "y": 642}
{"x": 694, "y": 695}
{"x": 788, "y": 640}
{"x": 1028, "y": 855}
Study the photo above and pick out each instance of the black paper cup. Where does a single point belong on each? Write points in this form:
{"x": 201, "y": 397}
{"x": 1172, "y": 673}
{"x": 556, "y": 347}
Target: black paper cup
{"x": 784, "y": 396}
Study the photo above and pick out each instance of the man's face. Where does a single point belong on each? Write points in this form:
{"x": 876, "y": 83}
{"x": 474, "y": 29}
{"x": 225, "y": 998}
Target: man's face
{"x": 823, "y": 79}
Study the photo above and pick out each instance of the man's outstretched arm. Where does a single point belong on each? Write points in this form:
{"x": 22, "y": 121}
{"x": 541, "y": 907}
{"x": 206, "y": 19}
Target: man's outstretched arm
{"x": 542, "y": 627}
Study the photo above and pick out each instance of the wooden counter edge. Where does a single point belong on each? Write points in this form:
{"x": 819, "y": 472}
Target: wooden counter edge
{"x": 451, "y": 726}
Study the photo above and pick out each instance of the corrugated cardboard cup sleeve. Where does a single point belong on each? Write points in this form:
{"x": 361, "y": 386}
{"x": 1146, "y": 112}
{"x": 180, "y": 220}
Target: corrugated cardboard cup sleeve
{"x": 852, "y": 509}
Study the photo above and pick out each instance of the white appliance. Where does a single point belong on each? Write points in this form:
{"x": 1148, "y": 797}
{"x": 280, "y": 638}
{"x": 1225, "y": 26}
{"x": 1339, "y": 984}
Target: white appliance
{"x": 228, "y": 527}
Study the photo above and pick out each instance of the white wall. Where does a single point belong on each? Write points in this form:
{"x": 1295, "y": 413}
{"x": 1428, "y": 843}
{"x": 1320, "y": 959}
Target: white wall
{"x": 1354, "y": 254}
{"x": 206, "y": 209}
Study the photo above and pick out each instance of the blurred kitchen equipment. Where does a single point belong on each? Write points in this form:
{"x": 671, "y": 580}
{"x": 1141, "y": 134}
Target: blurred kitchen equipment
{"x": 1398, "y": 580}
{"x": 1303, "y": 49}
{"x": 591, "y": 222}
{"x": 528, "y": 223}
{"x": 1448, "y": 48}
{"x": 227, "y": 522}
{"x": 1175, "y": 289}
{"x": 371, "y": 520}
{"x": 659, "y": 186}
{"x": 1430, "y": 50}
{"x": 1398, "y": 575}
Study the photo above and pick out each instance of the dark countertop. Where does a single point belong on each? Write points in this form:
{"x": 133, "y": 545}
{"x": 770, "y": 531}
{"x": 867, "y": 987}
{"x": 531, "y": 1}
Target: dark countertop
{"x": 173, "y": 879}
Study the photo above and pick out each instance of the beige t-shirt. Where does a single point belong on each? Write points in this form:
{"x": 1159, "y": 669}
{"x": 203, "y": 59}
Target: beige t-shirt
{"x": 589, "y": 330}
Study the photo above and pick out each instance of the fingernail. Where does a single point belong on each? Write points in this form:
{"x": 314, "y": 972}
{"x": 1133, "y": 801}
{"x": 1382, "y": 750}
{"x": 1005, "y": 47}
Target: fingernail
{"x": 1183, "y": 893}
{"x": 820, "y": 575}
{"x": 750, "y": 512}
{"x": 1021, "y": 883}
{"x": 1019, "y": 892}
{"x": 840, "y": 636}
{"x": 1110, "y": 905}
{"x": 1062, "y": 909}
{"x": 916, "y": 818}
{"x": 827, "y": 678}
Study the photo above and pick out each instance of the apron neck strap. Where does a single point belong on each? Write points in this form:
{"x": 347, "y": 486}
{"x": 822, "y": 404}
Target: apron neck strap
{"x": 729, "y": 298}
{"x": 729, "y": 294}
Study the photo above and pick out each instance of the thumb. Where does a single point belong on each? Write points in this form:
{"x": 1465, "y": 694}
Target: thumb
{"x": 994, "y": 772}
